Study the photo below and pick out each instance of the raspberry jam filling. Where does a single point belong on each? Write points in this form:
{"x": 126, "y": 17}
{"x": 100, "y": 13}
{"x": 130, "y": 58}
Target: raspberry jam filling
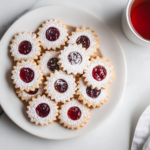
{"x": 99, "y": 73}
{"x": 61, "y": 85}
{"x": 52, "y": 34}
{"x": 74, "y": 58}
{"x": 32, "y": 92}
{"x": 52, "y": 64}
{"x": 93, "y": 93}
{"x": 42, "y": 110}
{"x": 25, "y": 47}
{"x": 74, "y": 113}
{"x": 26, "y": 74}
{"x": 84, "y": 40}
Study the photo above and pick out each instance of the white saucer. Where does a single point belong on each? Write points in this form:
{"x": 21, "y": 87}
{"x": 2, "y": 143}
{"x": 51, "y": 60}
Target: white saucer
{"x": 109, "y": 46}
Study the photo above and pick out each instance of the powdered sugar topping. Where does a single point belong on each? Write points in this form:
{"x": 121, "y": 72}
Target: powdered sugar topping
{"x": 74, "y": 67}
{"x": 44, "y": 60}
{"x": 52, "y": 44}
{"x": 88, "y": 73}
{"x": 20, "y": 83}
{"x": 57, "y": 96}
{"x": 93, "y": 41}
{"x": 74, "y": 123}
{"x": 32, "y": 110}
{"x": 101, "y": 98}
{"x": 25, "y": 36}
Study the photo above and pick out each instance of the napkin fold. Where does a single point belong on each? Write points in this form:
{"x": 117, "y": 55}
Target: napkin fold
{"x": 141, "y": 139}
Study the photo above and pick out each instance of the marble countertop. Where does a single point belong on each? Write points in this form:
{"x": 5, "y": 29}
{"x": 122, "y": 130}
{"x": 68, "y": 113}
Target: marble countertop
{"x": 117, "y": 132}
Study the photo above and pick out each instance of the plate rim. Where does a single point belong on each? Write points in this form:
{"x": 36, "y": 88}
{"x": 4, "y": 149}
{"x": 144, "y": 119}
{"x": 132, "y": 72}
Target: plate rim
{"x": 124, "y": 60}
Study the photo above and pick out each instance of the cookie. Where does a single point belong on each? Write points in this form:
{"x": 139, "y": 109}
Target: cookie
{"x": 42, "y": 110}
{"x": 52, "y": 34}
{"x": 73, "y": 114}
{"x": 86, "y": 37}
{"x": 25, "y": 46}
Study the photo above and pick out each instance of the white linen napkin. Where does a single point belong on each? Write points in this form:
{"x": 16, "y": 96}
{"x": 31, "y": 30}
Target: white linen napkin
{"x": 141, "y": 139}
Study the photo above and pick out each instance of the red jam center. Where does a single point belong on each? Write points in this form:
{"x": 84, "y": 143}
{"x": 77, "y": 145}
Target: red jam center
{"x": 52, "y": 64}
{"x": 61, "y": 85}
{"x": 74, "y": 113}
{"x": 52, "y": 34}
{"x": 26, "y": 74}
{"x": 25, "y": 47}
{"x": 74, "y": 58}
{"x": 93, "y": 93}
{"x": 33, "y": 92}
{"x": 99, "y": 73}
{"x": 42, "y": 110}
{"x": 84, "y": 40}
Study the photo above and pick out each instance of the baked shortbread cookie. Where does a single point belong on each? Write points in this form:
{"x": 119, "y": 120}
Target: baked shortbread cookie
{"x": 42, "y": 110}
{"x": 48, "y": 62}
{"x": 99, "y": 74}
{"x": 28, "y": 95}
{"x": 52, "y": 34}
{"x": 60, "y": 86}
{"x": 25, "y": 46}
{"x": 27, "y": 76}
{"x": 73, "y": 59}
{"x": 73, "y": 114}
{"x": 86, "y": 37}
{"x": 91, "y": 97}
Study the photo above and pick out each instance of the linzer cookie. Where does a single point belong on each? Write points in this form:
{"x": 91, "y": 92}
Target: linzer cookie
{"x": 25, "y": 46}
{"x": 73, "y": 59}
{"x": 52, "y": 34}
{"x": 27, "y": 76}
{"x": 91, "y": 97}
{"x": 48, "y": 62}
{"x": 28, "y": 95}
{"x": 42, "y": 110}
{"x": 86, "y": 37}
{"x": 60, "y": 86}
{"x": 73, "y": 114}
{"x": 99, "y": 74}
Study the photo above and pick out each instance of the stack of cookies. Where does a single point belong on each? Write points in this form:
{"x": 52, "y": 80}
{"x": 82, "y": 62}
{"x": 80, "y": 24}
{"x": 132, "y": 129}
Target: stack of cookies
{"x": 56, "y": 69}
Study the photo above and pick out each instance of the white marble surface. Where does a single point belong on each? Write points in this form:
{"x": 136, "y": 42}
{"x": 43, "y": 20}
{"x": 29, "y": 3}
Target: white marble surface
{"x": 117, "y": 132}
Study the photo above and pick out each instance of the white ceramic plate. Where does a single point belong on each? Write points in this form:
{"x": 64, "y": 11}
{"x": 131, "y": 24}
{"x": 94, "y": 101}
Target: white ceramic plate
{"x": 109, "y": 46}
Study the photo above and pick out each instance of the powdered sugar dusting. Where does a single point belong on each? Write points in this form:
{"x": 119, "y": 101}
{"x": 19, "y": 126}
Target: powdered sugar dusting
{"x": 32, "y": 110}
{"x": 44, "y": 60}
{"x": 27, "y": 96}
{"x": 52, "y": 44}
{"x": 57, "y": 96}
{"x": 93, "y": 43}
{"x": 73, "y": 123}
{"x": 25, "y": 36}
{"x": 20, "y": 83}
{"x": 64, "y": 61}
{"x": 93, "y": 101}
{"x": 89, "y": 78}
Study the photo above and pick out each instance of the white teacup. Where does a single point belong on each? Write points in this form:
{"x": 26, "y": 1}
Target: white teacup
{"x": 128, "y": 28}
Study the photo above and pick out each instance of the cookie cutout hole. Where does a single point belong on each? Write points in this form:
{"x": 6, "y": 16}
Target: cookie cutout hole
{"x": 93, "y": 93}
{"x": 99, "y": 73}
{"x": 61, "y": 86}
{"x": 84, "y": 40}
{"x": 26, "y": 74}
{"x": 52, "y": 64}
{"x": 32, "y": 92}
{"x": 25, "y": 47}
{"x": 42, "y": 110}
{"x": 74, "y": 58}
{"x": 52, "y": 34}
{"x": 74, "y": 113}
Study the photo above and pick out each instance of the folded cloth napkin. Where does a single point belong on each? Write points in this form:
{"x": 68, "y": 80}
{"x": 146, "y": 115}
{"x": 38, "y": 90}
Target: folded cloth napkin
{"x": 141, "y": 139}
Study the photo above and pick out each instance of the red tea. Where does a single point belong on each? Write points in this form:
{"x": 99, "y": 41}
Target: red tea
{"x": 140, "y": 17}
